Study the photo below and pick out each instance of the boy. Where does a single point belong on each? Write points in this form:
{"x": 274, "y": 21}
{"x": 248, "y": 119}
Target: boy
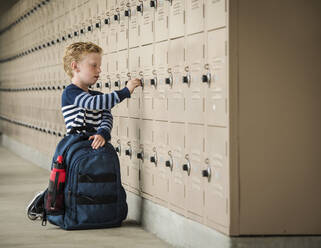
{"x": 84, "y": 107}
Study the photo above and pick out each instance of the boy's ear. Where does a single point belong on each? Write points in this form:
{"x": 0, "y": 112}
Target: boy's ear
{"x": 74, "y": 65}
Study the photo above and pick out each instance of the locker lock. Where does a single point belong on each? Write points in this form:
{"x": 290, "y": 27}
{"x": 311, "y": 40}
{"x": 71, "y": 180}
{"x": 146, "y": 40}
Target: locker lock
{"x": 187, "y": 79}
{"x": 107, "y": 20}
{"x": 169, "y": 80}
{"x": 58, "y": 40}
{"x": 69, "y": 36}
{"x": 117, "y": 83}
{"x": 118, "y": 148}
{"x": 117, "y": 17}
{"x": 187, "y": 166}
{"x": 82, "y": 31}
{"x": 128, "y": 152}
{"x": 206, "y": 78}
{"x": 89, "y": 28}
{"x": 153, "y": 4}
{"x": 153, "y": 82}
{"x": 63, "y": 38}
{"x": 108, "y": 85}
{"x": 90, "y": 87}
{"x": 127, "y": 12}
{"x": 153, "y": 159}
{"x": 139, "y": 8}
{"x": 76, "y": 33}
{"x": 169, "y": 163}
{"x": 98, "y": 85}
{"x": 140, "y": 155}
{"x": 207, "y": 173}
{"x": 97, "y": 24}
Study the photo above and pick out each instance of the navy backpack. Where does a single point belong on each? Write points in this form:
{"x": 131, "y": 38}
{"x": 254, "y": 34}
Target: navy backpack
{"x": 93, "y": 196}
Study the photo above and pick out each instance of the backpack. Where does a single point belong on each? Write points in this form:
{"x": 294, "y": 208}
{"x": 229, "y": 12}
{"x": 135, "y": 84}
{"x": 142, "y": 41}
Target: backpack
{"x": 93, "y": 196}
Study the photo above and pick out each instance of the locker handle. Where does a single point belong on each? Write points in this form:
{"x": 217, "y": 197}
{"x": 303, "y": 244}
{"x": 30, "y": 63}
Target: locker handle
{"x": 76, "y": 33}
{"x": 108, "y": 85}
{"x": 52, "y": 42}
{"x": 140, "y": 155}
{"x": 206, "y": 78}
{"x": 153, "y": 4}
{"x": 207, "y": 173}
{"x": 187, "y": 79}
{"x": 58, "y": 40}
{"x": 107, "y": 21}
{"x": 82, "y": 31}
{"x": 153, "y": 82}
{"x": 98, "y": 85}
{"x": 69, "y": 36}
{"x": 117, "y": 17}
{"x": 89, "y": 28}
{"x": 128, "y": 152}
{"x": 187, "y": 166}
{"x": 97, "y": 24}
{"x": 127, "y": 13}
{"x": 139, "y": 8}
{"x": 169, "y": 81}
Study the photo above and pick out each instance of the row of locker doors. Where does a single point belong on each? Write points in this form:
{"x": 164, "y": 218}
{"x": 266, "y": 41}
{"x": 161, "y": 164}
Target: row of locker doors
{"x": 184, "y": 166}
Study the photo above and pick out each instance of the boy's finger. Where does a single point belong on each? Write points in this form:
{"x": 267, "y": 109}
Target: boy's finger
{"x": 91, "y": 137}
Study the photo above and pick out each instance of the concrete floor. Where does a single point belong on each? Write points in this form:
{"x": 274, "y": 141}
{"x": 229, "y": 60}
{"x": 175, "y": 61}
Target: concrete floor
{"x": 19, "y": 181}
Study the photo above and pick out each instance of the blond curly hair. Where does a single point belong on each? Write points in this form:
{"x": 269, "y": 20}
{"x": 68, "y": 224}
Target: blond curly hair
{"x": 76, "y": 51}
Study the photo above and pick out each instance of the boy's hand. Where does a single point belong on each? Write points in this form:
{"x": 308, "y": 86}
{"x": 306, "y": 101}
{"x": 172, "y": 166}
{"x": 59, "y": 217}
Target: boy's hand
{"x": 132, "y": 84}
{"x": 98, "y": 141}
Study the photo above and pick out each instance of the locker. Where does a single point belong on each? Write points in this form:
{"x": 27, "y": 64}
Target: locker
{"x": 146, "y": 66}
{"x": 176, "y": 23}
{"x": 133, "y": 148}
{"x": 176, "y": 94}
{"x": 112, "y": 5}
{"x": 161, "y": 20}
{"x": 195, "y": 150}
{"x": 102, "y": 7}
{"x": 112, "y": 37}
{"x": 123, "y": 27}
{"x": 147, "y": 23}
{"x": 134, "y": 101}
{"x": 114, "y": 131}
{"x": 123, "y": 139}
{"x": 216, "y": 193}
{"x": 194, "y": 16}
{"x": 195, "y": 89}
{"x": 133, "y": 26}
{"x": 103, "y": 36}
{"x": 161, "y": 90}
{"x": 176, "y": 143}
{"x": 147, "y": 174}
{"x": 216, "y": 91}
{"x": 215, "y": 14}
{"x": 162, "y": 173}
{"x": 122, "y": 60}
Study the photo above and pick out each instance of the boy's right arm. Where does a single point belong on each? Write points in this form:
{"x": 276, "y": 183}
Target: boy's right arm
{"x": 98, "y": 102}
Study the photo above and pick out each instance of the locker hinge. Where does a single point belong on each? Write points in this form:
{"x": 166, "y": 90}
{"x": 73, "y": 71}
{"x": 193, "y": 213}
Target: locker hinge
{"x": 184, "y": 17}
{"x": 139, "y": 178}
{"x": 203, "y": 198}
{"x": 225, "y": 5}
{"x": 225, "y": 48}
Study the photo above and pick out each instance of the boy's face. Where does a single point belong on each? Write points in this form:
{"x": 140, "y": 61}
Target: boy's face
{"x": 88, "y": 69}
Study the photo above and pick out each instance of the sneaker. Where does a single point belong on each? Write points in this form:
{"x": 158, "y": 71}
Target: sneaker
{"x": 35, "y": 208}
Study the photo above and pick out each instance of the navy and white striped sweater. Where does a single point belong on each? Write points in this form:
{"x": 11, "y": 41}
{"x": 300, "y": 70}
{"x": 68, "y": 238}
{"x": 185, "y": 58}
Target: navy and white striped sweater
{"x": 92, "y": 108}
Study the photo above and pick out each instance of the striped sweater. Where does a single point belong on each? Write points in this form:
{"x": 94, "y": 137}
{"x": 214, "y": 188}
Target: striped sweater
{"x": 92, "y": 109}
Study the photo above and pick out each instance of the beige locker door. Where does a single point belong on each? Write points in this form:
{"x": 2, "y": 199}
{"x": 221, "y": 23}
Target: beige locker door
{"x": 161, "y": 20}
{"x": 112, "y": 37}
{"x": 123, "y": 28}
{"x": 215, "y": 13}
{"x": 112, "y": 74}
{"x": 195, "y": 90}
{"x": 123, "y": 70}
{"x": 103, "y": 37}
{"x": 195, "y": 151}
{"x": 176, "y": 141}
{"x": 216, "y": 194}
{"x": 162, "y": 173}
{"x": 114, "y": 131}
{"x": 194, "y": 16}
{"x": 147, "y": 167}
{"x": 133, "y": 147}
{"x": 216, "y": 94}
{"x": 134, "y": 101}
{"x": 112, "y": 5}
{"x": 134, "y": 21}
{"x": 147, "y": 24}
{"x": 160, "y": 90}
{"x": 103, "y": 74}
{"x": 176, "y": 94}
{"x": 146, "y": 64}
{"x": 176, "y": 20}
{"x": 123, "y": 139}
